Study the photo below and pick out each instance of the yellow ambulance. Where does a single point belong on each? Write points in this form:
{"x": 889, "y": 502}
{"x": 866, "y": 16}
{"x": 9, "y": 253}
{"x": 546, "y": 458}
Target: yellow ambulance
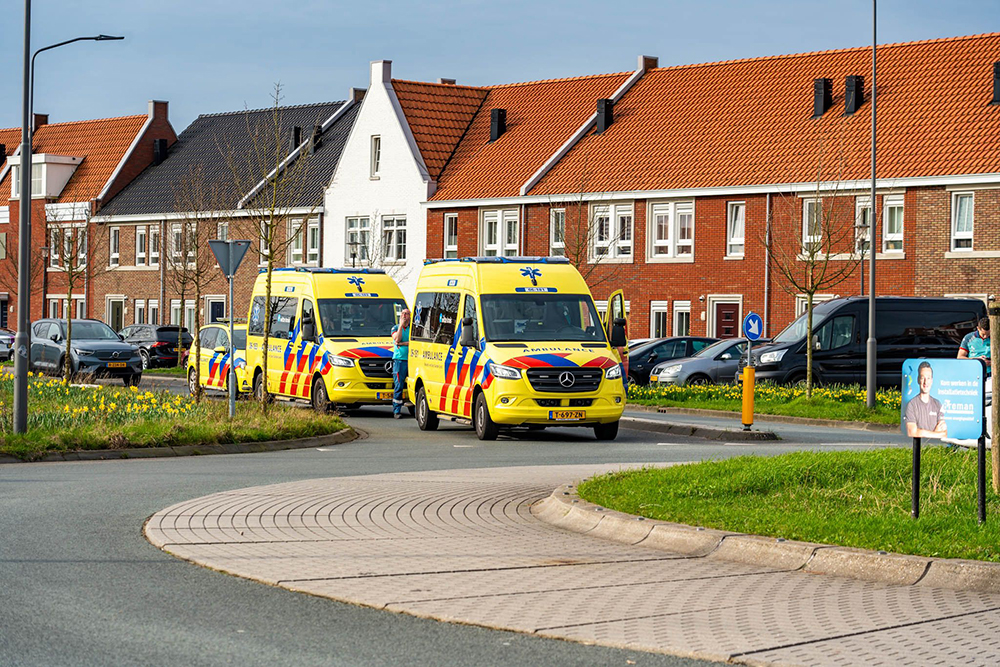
{"x": 514, "y": 341}
{"x": 216, "y": 357}
{"x": 330, "y": 336}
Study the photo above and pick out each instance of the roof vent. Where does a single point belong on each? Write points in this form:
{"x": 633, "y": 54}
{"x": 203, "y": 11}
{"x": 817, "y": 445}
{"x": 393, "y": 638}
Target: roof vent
{"x": 159, "y": 151}
{"x": 996, "y": 83}
{"x": 822, "y": 96}
{"x": 605, "y": 114}
{"x": 316, "y": 139}
{"x": 854, "y": 94}
{"x": 498, "y": 123}
{"x": 447, "y": 82}
{"x": 296, "y": 137}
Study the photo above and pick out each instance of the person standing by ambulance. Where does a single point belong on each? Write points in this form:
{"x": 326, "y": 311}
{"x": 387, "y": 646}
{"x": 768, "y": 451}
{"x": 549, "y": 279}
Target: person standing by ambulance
{"x": 976, "y": 345}
{"x": 400, "y": 362}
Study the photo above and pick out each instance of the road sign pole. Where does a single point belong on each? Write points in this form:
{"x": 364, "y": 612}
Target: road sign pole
{"x": 232, "y": 342}
{"x": 753, "y": 327}
{"x": 915, "y": 488}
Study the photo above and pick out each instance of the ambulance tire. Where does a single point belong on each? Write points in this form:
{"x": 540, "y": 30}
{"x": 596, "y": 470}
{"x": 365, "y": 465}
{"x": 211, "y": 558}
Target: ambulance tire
{"x": 606, "y": 431}
{"x": 426, "y": 419}
{"x": 486, "y": 428}
{"x": 192, "y": 382}
{"x": 319, "y": 398}
{"x": 258, "y": 390}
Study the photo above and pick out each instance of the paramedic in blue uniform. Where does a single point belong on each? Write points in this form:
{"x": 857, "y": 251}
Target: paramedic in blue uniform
{"x": 400, "y": 362}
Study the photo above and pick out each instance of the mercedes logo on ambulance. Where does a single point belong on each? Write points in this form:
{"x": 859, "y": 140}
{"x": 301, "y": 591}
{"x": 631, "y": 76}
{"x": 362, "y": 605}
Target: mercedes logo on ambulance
{"x": 388, "y": 367}
{"x": 567, "y": 379}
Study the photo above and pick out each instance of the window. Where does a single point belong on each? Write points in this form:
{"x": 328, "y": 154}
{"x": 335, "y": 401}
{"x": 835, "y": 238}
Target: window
{"x": 154, "y": 311}
{"x": 435, "y": 316}
{"x": 892, "y": 218}
{"x": 612, "y": 227}
{"x": 735, "y": 228}
{"x": 154, "y": 246}
{"x": 114, "y": 244}
{"x": 3, "y": 245}
{"x": 222, "y": 231}
{"x": 55, "y": 244}
{"x": 358, "y": 238}
{"x": 469, "y": 311}
{"x": 376, "y": 157}
{"x": 295, "y": 249}
{"x": 81, "y": 309}
{"x": 36, "y": 179}
{"x": 961, "y": 221}
{"x": 140, "y": 246}
{"x": 189, "y": 315}
{"x": 836, "y": 333}
{"x": 682, "y": 318}
{"x": 500, "y": 233}
{"x": 862, "y": 225}
{"x": 451, "y": 235}
{"x": 557, "y": 232}
{"x": 140, "y": 311}
{"x": 394, "y": 238}
{"x": 265, "y": 239}
{"x": 659, "y": 319}
{"x": 178, "y": 243}
{"x": 54, "y": 307}
{"x": 812, "y": 225}
{"x": 312, "y": 241}
{"x": 672, "y": 230}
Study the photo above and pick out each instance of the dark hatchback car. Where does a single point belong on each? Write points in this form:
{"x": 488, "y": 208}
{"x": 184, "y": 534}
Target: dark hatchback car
{"x": 643, "y": 357}
{"x": 158, "y": 345}
{"x": 95, "y": 349}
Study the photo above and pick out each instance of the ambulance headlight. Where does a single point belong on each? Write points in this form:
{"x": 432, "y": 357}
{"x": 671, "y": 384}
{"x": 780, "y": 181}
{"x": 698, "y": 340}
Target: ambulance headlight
{"x": 343, "y": 362}
{"x": 505, "y": 372}
{"x": 614, "y": 373}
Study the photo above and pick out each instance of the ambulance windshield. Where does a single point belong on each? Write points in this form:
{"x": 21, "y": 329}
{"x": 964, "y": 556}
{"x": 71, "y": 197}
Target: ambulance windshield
{"x": 358, "y": 318}
{"x": 541, "y": 317}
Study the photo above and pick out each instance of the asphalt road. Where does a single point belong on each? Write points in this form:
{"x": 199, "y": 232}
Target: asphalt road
{"x": 80, "y": 585}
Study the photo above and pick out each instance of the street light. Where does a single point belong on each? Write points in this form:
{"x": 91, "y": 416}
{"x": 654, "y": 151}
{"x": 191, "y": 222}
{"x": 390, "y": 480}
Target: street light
{"x": 870, "y": 370}
{"x": 22, "y": 340}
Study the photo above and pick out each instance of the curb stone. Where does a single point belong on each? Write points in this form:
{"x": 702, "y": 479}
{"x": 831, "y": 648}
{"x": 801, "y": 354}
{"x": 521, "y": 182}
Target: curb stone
{"x": 784, "y": 419}
{"x": 564, "y": 508}
{"x": 343, "y": 435}
{"x": 694, "y": 430}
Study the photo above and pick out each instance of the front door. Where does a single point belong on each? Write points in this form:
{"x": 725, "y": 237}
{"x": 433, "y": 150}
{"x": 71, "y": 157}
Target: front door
{"x": 727, "y": 323}
{"x": 116, "y": 314}
{"x": 216, "y": 311}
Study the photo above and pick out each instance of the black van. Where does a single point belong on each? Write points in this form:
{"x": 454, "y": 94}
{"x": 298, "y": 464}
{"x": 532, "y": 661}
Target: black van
{"x": 905, "y": 328}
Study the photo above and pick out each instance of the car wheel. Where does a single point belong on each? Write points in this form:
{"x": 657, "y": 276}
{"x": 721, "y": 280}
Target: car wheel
{"x": 258, "y": 390}
{"x": 319, "y": 398}
{"x": 192, "y": 382}
{"x": 427, "y": 420}
{"x": 698, "y": 379}
{"x": 144, "y": 357}
{"x": 486, "y": 428}
{"x": 132, "y": 380}
{"x": 606, "y": 431}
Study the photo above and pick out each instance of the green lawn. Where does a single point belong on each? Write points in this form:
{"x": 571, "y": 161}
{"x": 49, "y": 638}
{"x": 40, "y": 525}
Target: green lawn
{"x": 845, "y": 403}
{"x": 853, "y": 499}
{"x": 62, "y": 417}
{"x": 173, "y": 371}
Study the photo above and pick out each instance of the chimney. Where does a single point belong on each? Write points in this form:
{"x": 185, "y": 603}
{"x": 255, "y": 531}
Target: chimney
{"x": 158, "y": 109}
{"x": 605, "y": 115}
{"x": 498, "y": 123}
{"x": 296, "y": 137}
{"x": 159, "y": 151}
{"x": 3, "y": 154}
{"x": 39, "y": 120}
{"x": 316, "y": 139}
{"x": 822, "y": 96}
{"x": 357, "y": 94}
{"x": 647, "y": 63}
{"x": 996, "y": 83}
{"x": 381, "y": 71}
{"x": 854, "y": 94}
{"x": 446, "y": 82}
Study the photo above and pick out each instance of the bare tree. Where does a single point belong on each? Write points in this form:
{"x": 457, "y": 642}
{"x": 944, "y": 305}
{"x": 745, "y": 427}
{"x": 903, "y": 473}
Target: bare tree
{"x": 9, "y": 266}
{"x": 377, "y": 243}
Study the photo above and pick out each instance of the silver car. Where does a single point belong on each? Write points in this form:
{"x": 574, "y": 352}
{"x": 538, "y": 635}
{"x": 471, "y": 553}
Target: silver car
{"x": 717, "y": 363}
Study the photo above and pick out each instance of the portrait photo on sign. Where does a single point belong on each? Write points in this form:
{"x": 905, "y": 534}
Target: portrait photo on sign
{"x": 942, "y": 398}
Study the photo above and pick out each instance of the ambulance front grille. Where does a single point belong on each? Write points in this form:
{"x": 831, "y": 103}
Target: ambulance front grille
{"x": 549, "y": 379}
{"x": 376, "y": 368}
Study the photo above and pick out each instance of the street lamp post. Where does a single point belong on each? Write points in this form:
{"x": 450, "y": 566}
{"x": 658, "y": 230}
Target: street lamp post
{"x": 22, "y": 339}
{"x": 870, "y": 371}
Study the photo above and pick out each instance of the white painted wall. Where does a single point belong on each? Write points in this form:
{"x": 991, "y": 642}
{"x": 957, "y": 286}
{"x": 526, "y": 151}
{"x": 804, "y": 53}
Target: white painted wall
{"x": 402, "y": 185}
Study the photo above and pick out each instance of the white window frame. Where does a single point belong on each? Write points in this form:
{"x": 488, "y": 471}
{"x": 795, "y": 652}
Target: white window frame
{"x": 602, "y": 308}
{"x": 140, "y": 312}
{"x": 963, "y": 236}
{"x": 681, "y": 308}
{"x": 800, "y": 301}
{"x": 889, "y": 203}
{"x": 190, "y": 312}
{"x": 557, "y": 232}
{"x": 108, "y": 300}
{"x": 499, "y": 245}
{"x": 312, "y": 241}
{"x": 659, "y": 308}
{"x": 55, "y": 244}
{"x": 54, "y": 306}
{"x": 450, "y": 222}
{"x": 357, "y": 228}
{"x": 141, "y": 245}
{"x": 209, "y": 300}
{"x": 862, "y": 205}
{"x": 297, "y": 242}
{"x": 114, "y": 245}
{"x": 376, "y": 156}
{"x": 154, "y": 245}
{"x": 393, "y": 238}
{"x": 222, "y": 231}
{"x": 37, "y": 180}
{"x": 807, "y": 238}
{"x": 612, "y": 239}
{"x": 176, "y": 312}
{"x": 81, "y": 308}
{"x": 153, "y": 311}
{"x": 736, "y": 245}
{"x": 664, "y": 243}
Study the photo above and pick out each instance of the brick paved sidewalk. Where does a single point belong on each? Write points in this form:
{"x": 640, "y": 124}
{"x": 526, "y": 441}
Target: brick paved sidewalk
{"x": 463, "y": 546}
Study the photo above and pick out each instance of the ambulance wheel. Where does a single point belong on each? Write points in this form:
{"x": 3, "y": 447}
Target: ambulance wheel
{"x": 192, "y": 382}
{"x": 606, "y": 431}
{"x": 486, "y": 428}
{"x": 426, "y": 419}
{"x": 319, "y": 399}
{"x": 258, "y": 390}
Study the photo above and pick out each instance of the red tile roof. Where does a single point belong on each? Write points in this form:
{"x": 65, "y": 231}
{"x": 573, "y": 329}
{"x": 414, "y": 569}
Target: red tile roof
{"x": 749, "y": 122}
{"x": 541, "y": 116}
{"x": 101, "y": 143}
{"x": 438, "y": 115}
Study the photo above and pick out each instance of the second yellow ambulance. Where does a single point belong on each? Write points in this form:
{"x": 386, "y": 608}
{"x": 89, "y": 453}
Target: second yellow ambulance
{"x": 515, "y": 341}
{"x": 329, "y": 339}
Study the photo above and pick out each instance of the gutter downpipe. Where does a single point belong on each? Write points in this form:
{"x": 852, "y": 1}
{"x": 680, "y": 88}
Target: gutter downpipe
{"x": 524, "y": 236}
{"x": 767, "y": 267}
{"x": 163, "y": 296}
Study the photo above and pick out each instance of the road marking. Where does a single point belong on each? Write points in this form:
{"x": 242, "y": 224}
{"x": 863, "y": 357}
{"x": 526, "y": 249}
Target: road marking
{"x": 326, "y": 449}
{"x": 669, "y": 444}
{"x": 462, "y": 446}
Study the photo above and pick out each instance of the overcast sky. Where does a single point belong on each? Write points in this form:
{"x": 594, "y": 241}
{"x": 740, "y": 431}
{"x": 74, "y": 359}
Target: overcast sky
{"x": 207, "y": 56}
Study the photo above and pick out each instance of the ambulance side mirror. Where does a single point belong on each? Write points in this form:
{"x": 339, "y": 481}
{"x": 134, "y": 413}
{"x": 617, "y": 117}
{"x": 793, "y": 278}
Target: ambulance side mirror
{"x": 468, "y": 337}
{"x": 308, "y": 329}
{"x": 618, "y": 333}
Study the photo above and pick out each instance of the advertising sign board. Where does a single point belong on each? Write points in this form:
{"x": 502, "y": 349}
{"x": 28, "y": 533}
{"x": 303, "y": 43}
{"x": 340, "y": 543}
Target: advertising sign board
{"x": 942, "y": 398}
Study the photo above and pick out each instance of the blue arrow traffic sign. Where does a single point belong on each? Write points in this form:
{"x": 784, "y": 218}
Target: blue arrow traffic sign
{"x": 753, "y": 326}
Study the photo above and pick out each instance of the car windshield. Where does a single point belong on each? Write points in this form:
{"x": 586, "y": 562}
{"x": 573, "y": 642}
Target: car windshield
{"x": 541, "y": 317}
{"x": 91, "y": 331}
{"x": 795, "y": 331}
{"x": 240, "y": 338}
{"x": 713, "y": 349}
{"x": 353, "y": 318}
{"x": 642, "y": 348}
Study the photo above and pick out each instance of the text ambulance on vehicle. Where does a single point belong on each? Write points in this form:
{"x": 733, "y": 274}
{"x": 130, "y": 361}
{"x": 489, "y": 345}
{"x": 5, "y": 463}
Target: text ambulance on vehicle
{"x": 216, "y": 357}
{"x": 329, "y": 339}
{"x": 514, "y": 341}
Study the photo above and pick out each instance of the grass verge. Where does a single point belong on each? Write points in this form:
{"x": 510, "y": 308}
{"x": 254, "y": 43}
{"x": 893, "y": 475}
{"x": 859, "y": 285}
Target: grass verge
{"x": 844, "y": 403}
{"x": 172, "y": 371}
{"x": 853, "y": 499}
{"x": 64, "y": 417}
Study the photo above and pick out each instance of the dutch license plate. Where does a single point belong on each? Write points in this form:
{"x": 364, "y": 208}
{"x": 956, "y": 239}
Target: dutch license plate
{"x": 116, "y": 364}
{"x": 653, "y": 378}
{"x": 567, "y": 415}
{"x": 383, "y": 395}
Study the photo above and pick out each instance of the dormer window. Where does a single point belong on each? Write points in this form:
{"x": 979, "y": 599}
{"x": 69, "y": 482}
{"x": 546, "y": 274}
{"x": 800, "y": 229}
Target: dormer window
{"x": 49, "y": 174}
{"x": 36, "y": 180}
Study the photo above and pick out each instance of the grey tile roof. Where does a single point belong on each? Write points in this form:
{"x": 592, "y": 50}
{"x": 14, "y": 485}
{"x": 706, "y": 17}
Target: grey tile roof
{"x": 204, "y": 145}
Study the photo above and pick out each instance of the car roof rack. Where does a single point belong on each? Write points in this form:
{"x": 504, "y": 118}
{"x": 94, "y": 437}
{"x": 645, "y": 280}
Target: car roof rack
{"x": 502, "y": 260}
{"x": 319, "y": 269}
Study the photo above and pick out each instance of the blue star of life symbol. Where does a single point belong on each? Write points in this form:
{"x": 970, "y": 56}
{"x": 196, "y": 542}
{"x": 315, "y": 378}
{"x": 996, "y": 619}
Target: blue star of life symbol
{"x": 531, "y": 272}
{"x": 356, "y": 281}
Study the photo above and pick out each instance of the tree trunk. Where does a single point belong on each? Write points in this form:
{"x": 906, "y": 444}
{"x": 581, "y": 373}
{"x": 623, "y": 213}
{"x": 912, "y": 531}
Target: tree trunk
{"x": 67, "y": 359}
{"x": 267, "y": 319}
{"x": 196, "y": 351}
{"x": 809, "y": 344}
{"x": 994, "y": 311}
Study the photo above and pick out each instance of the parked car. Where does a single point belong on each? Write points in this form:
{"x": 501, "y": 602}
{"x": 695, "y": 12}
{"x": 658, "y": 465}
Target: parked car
{"x": 716, "y": 364}
{"x": 646, "y": 356}
{"x": 216, "y": 357}
{"x": 905, "y": 327}
{"x": 95, "y": 349}
{"x": 7, "y": 337}
{"x": 158, "y": 345}
{"x": 6, "y": 350}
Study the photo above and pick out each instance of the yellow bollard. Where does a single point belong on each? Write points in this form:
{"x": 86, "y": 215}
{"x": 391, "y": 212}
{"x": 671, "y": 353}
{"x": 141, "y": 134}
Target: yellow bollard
{"x": 748, "y": 385}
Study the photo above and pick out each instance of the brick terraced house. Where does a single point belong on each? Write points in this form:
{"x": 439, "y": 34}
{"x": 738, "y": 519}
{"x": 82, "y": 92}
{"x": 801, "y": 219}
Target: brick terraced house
{"x": 214, "y": 155}
{"x": 76, "y": 168}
